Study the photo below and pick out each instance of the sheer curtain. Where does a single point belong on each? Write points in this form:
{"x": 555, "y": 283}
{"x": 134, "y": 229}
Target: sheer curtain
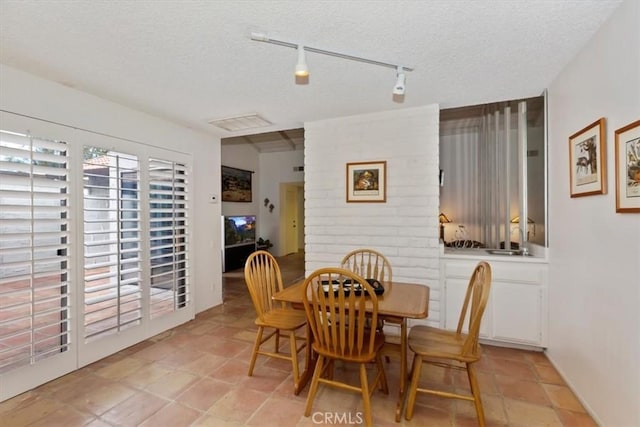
{"x": 481, "y": 186}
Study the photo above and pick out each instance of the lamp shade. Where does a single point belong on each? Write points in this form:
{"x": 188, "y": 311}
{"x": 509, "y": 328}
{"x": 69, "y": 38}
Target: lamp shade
{"x": 443, "y": 219}
{"x": 516, "y": 220}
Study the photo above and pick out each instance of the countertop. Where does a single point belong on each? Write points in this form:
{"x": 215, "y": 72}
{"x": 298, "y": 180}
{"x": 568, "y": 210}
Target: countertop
{"x": 538, "y": 254}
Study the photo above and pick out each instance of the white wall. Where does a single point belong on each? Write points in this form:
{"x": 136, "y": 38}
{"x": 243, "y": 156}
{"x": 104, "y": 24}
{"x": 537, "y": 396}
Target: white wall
{"x": 405, "y": 228}
{"x": 242, "y": 156}
{"x": 28, "y": 95}
{"x": 594, "y": 271}
{"x": 275, "y": 169}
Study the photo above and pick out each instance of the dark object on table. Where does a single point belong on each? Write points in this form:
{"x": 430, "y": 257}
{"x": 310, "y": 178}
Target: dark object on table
{"x": 348, "y": 287}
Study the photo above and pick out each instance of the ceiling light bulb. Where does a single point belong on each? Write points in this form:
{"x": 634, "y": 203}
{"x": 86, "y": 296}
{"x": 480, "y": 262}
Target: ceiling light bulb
{"x": 398, "y": 88}
{"x": 301, "y": 67}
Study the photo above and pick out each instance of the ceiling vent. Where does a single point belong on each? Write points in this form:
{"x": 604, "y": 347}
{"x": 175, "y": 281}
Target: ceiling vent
{"x": 233, "y": 124}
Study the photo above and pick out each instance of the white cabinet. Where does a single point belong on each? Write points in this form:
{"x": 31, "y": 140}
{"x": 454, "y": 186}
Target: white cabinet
{"x": 517, "y": 308}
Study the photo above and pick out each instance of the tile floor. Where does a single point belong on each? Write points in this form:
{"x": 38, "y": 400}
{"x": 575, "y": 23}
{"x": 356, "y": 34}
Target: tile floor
{"x": 196, "y": 375}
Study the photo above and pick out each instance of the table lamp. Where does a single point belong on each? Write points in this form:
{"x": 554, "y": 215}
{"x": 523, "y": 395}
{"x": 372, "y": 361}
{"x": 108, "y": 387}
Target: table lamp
{"x": 516, "y": 220}
{"x": 443, "y": 219}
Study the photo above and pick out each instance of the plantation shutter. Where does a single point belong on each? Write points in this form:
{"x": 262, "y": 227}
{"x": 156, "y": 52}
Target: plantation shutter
{"x": 112, "y": 246}
{"x": 34, "y": 249}
{"x": 168, "y": 222}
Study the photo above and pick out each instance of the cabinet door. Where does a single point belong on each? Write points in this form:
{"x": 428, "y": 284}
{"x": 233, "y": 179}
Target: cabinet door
{"x": 455, "y": 290}
{"x": 517, "y": 311}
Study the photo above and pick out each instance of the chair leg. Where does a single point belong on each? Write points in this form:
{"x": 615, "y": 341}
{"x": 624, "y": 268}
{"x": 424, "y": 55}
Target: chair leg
{"x": 308, "y": 350}
{"x": 475, "y": 390}
{"x": 294, "y": 358}
{"x": 256, "y": 347}
{"x": 277, "y": 341}
{"x": 416, "y": 367}
{"x": 383, "y": 377}
{"x": 366, "y": 400}
{"x": 314, "y": 385}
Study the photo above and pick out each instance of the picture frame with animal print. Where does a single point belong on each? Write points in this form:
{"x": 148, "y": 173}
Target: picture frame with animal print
{"x": 367, "y": 182}
{"x": 628, "y": 168}
{"x": 587, "y": 160}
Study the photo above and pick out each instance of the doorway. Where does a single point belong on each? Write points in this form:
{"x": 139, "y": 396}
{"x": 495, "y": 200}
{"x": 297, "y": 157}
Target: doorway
{"x": 292, "y": 217}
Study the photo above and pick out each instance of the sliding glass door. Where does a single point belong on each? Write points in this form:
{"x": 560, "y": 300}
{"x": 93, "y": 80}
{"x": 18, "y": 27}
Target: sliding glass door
{"x": 94, "y": 248}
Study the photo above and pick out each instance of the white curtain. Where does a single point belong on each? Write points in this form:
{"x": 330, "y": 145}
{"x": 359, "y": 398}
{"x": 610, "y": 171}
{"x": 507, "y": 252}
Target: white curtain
{"x": 479, "y": 158}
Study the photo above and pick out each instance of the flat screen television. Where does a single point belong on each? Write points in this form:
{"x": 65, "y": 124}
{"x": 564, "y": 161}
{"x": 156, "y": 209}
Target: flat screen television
{"x": 239, "y": 230}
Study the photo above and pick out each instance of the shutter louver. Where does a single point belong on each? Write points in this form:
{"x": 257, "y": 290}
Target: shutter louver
{"x": 112, "y": 247}
{"x": 168, "y": 237}
{"x": 34, "y": 248}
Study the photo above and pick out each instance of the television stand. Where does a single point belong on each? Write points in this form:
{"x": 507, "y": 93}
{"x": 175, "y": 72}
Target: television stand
{"x": 236, "y": 255}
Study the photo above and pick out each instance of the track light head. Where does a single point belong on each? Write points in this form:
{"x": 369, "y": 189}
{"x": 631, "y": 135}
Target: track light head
{"x": 302, "y": 70}
{"x": 398, "y": 88}
{"x": 259, "y": 37}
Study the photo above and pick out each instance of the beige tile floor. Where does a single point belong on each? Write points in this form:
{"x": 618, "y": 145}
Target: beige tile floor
{"x": 196, "y": 375}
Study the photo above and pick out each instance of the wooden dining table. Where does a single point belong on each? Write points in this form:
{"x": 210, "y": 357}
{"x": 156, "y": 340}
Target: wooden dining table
{"x": 400, "y": 301}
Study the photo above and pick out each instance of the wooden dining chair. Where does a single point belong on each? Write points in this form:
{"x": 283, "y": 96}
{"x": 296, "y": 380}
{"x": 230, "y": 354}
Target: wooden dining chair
{"x": 263, "y": 278}
{"x": 368, "y": 263}
{"x": 336, "y": 305}
{"x": 457, "y": 349}
{"x": 372, "y": 264}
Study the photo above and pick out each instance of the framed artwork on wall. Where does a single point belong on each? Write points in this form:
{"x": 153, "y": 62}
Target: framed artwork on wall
{"x": 236, "y": 185}
{"x": 587, "y": 165}
{"x": 367, "y": 182}
{"x": 628, "y": 168}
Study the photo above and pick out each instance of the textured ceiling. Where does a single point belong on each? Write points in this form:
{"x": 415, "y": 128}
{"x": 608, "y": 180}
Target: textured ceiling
{"x": 193, "y": 61}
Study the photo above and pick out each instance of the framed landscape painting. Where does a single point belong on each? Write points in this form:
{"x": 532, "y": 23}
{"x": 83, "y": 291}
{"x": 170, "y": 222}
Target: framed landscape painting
{"x": 236, "y": 185}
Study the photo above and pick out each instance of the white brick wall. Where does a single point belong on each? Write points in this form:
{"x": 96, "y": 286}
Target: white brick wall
{"x": 405, "y": 228}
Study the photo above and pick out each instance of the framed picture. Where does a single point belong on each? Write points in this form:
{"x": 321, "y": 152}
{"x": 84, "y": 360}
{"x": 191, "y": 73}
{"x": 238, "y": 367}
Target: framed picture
{"x": 236, "y": 185}
{"x": 628, "y": 168}
{"x": 367, "y": 182}
{"x": 587, "y": 150}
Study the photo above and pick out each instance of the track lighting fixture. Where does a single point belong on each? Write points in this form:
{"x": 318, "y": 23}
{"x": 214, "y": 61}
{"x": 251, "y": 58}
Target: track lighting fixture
{"x": 399, "y": 87}
{"x": 302, "y": 70}
{"x": 301, "y": 67}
